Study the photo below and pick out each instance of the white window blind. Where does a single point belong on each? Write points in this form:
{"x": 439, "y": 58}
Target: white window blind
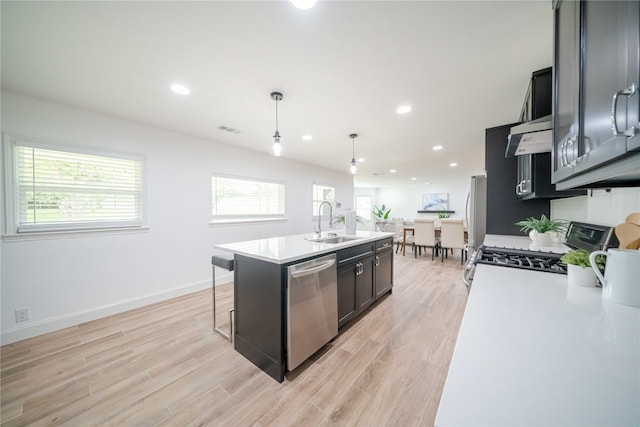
{"x": 323, "y": 193}
{"x": 57, "y": 190}
{"x": 240, "y": 198}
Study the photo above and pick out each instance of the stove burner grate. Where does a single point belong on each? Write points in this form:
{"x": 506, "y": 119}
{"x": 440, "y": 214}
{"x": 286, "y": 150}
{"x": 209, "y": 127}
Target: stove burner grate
{"x": 516, "y": 258}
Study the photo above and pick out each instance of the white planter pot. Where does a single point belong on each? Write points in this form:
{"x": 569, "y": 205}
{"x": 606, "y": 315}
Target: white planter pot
{"x": 542, "y": 239}
{"x": 581, "y": 276}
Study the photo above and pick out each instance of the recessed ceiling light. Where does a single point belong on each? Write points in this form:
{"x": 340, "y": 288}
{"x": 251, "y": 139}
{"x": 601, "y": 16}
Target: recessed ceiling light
{"x": 392, "y": 171}
{"x": 413, "y": 178}
{"x": 437, "y": 147}
{"x": 180, "y": 89}
{"x": 453, "y": 164}
{"x": 303, "y": 4}
{"x": 361, "y": 160}
{"x": 307, "y": 137}
{"x": 426, "y": 183}
{"x": 403, "y": 109}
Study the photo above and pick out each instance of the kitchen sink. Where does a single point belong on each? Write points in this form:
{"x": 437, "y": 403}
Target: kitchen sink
{"x": 335, "y": 239}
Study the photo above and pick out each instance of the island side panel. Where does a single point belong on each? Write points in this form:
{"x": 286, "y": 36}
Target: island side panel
{"x": 259, "y": 314}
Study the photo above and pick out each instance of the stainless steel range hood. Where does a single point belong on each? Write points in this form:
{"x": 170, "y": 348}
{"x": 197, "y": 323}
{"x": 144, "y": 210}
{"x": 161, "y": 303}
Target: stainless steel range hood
{"x": 530, "y": 137}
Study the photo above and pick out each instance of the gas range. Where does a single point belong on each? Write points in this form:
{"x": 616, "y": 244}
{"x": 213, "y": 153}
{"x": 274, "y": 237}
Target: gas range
{"x": 590, "y": 237}
{"x": 548, "y": 262}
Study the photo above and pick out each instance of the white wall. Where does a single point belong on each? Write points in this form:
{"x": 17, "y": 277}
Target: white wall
{"x": 66, "y": 281}
{"x": 599, "y": 206}
{"x": 405, "y": 200}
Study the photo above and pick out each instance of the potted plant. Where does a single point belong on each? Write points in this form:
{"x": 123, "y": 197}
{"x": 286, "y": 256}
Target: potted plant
{"x": 543, "y": 230}
{"x": 579, "y": 271}
{"x": 381, "y": 213}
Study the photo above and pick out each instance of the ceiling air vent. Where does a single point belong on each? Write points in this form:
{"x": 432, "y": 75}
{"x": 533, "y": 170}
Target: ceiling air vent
{"x": 228, "y": 129}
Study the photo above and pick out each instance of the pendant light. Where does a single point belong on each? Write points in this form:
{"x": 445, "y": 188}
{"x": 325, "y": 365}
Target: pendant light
{"x": 277, "y": 148}
{"x": 353, "y": 167}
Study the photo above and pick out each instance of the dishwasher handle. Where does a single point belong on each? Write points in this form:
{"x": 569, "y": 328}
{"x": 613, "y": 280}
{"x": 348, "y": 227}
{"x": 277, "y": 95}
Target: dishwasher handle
{"x": 313, "y": 270}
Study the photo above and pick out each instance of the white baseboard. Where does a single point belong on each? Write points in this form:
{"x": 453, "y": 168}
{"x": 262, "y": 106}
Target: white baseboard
{"x": 44, "y": 326}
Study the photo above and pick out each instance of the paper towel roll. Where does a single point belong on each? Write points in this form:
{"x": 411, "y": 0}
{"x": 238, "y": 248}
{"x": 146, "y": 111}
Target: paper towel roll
{"x": 350, "y": 222}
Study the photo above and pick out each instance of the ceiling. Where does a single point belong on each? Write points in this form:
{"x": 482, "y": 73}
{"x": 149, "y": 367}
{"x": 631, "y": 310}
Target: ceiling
{"x": 342, "y": 66}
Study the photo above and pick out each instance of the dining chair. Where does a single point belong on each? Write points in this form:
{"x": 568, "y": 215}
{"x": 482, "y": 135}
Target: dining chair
{"x": 424, "y": 236}
{"x": 399, "y": 239}
{"x": 452, "y": 237}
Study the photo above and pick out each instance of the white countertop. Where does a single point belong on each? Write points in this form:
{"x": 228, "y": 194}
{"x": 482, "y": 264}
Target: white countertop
{"x": 284, "y": 249}
{"x": 533, "y": 351}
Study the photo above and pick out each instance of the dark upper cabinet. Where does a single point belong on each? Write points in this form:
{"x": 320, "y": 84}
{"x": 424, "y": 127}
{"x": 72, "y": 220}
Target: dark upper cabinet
{"x": 537, "y": 102}
{"x": 533, "y": 178}
{"x": 604, "y": 73}
{"x": 596, "y": 102}
{"x": 566, "y": 70}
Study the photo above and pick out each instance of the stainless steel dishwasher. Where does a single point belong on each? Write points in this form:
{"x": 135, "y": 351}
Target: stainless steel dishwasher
{"x": 312, "y": 307}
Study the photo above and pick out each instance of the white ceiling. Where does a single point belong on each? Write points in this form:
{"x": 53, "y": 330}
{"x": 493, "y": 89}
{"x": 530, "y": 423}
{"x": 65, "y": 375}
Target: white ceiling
{"x": 343, "y": 67}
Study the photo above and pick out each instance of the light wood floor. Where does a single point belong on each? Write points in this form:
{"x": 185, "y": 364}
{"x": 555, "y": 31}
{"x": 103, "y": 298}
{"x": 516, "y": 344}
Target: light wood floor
{"x": 162, "y": 365}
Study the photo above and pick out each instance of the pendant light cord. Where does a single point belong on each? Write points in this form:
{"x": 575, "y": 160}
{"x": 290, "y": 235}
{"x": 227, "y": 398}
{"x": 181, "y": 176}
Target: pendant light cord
{"x": 353, "y": 147}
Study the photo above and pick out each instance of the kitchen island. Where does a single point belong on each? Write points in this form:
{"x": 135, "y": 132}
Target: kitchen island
{"x": 532, "y": 350}
{"x": 364, "y": 273}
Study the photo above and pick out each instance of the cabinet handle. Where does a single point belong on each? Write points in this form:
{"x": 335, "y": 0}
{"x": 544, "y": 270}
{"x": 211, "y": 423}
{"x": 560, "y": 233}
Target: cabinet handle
{"x": 377, "y": 261}
{"x": 563, "y": 147}
{"x": 564, "y": 157}
{"x": 521, "y": 187}
{"x": 628, "y": 92}
{"x": 570, "y": 144}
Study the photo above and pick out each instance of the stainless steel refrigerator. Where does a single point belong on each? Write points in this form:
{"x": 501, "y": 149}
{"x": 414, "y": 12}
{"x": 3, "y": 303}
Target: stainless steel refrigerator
{"x": 476, "y": 212}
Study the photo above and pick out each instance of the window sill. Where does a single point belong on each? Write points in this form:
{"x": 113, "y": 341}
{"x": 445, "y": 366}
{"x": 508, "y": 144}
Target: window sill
{"x": 66, "y": 234}
{"x": 228, "y": 222}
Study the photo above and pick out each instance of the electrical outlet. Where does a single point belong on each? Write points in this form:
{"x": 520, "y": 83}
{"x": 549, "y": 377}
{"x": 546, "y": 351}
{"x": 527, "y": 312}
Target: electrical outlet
{"x": 22, "y": 315}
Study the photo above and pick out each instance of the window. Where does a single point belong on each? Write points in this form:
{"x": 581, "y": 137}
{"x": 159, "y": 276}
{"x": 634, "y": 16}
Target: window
{"x": 363, "y": 207}
{"x": 321, "y": 194}
{"x": 68, "y": 190}
{"x": 246, "y": 199}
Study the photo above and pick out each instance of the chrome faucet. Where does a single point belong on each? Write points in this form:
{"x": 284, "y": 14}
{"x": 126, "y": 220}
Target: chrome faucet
{"x": 319, "y": 230}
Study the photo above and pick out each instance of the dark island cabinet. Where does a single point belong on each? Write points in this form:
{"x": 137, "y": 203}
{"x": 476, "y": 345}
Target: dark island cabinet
{"x": 365, "y": 282}
{"x": 347, "y": 303}
{"x": 365, "y": 273}
{"x": 596, "y": 105}
{"x": 383, "y": 267}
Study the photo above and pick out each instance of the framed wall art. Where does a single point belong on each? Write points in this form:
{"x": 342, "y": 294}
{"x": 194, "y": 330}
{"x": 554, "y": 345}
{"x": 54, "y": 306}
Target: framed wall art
{"x": 435, "y": 202}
